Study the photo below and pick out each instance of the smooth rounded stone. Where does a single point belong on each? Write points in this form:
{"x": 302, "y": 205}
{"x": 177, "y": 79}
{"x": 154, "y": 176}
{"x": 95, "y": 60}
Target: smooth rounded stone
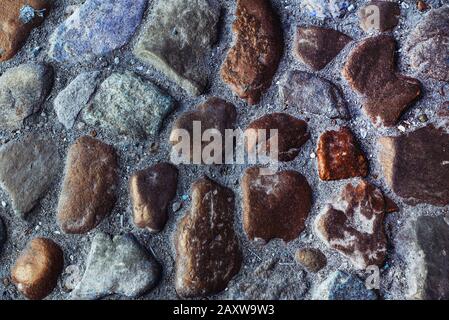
{"x": 117, "y": 265}
{"x": 313, "y": 94}
{"x": 256, "y": 52}
{"x": 379, "y": 16}
{"x": 76, "y": 96}
{"x": 371, "y": 72}
{"x": 316, "y": 46}
{"x": 428, "y": 45}
{"x": 275, "y": 206}
{"x": 28, "y": 167}
{"x": 23, "y": 90}
{"x": 14, "y": 28}
{"x": 2, "y": 234}
{"x": 151, "y": 191}
{"x": 341, "y": 285}
{"x": 208, "y": 253}
{"x": 353, "y": 225}
{"x": 128, "y": 105}
{"x": 292, "y": 134}
{"x": 89, "y": 189}
{"x": 416, "y": 165}
{"x": 37, "y": 268}
{"x": 339, "y": 156}
{"x": 311, "y": 259}
{"x": 95, "y": 29}
{"x": 177, "y": 41}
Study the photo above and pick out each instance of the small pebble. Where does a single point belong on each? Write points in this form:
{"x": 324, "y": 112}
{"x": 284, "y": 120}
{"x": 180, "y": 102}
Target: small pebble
{"x": 423, "y": 118}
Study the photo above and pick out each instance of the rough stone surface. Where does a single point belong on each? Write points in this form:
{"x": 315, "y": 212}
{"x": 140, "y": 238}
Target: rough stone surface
{"x": 340, "y": 157}
{"x": 370, "y": 71}
{"x": 151, "y": 191}
{"x": 379, "y": 16}
{"x": 254, "y": 58}
{"x": 89, "y": 189}
{"x": 343, "y": 286}
{"x": 2, "y": 235}
{"x": 37, "y": 268}
{"x": 275, "y": 206}
{"x": 311, "y": 259}
{"x": 207, "y": 249}
{"x": 178, "y": 39}
{"x": 28, "y": 167}
{"x": 23, "y": 90}
{"x": 117, "y": 265}
{"x": 95, "y": 29}
{"x": 316, "y": 46}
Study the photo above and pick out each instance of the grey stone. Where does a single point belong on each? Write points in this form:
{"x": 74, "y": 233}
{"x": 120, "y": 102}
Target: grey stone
{"x": 2, "y": 234}
{"x": 341, "y": 285}
{"x": 118, "y": 265}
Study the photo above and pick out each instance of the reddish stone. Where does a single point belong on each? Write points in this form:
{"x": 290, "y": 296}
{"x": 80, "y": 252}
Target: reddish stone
{"x": 385, "y": 18}
{"x": 390, "y": 205}
{"x": 311, "y": 259}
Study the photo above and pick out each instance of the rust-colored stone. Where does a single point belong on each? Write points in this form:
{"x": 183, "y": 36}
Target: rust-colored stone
{"x": 311, "y": 259}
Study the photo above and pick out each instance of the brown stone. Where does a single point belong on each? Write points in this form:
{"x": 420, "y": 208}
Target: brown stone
{"x": 311, "y": 259}
{"x": 151, "y": 191}
{"x": 340, "y": 157}
{"x": 379, "y": 15}
{"x": 370, "y": 70}
{"x": 253, "y": 60}
{"x": 89, "y": 189}
{"x": 316, "y": 46}
{"x": 275, "y": 206}
{"x": 37, "y": 268}
{"x": 421, "y": 5}
{"x": 390, "y": 205}
{"x": 208, "y": 254}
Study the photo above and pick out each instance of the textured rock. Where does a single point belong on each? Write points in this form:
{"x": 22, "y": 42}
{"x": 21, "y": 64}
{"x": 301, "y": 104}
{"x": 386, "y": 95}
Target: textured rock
{"x": 118, "y": 265}
{"x": 95, "y": 29}
{"x": 343, "y": 286}
{"x": 322, "y": 9}
{"x": 37, "y": 269}
{"x": 292, "y": 134}
{"x": 316, "y": 46}
{"x": 370, "y": 70}
{"x": 275, "y": 206}
{"x": 23, "y": 90}
{"x": 339, "y": 156}
{"x": 311, "y": 259}
{"x": 129, "y": 105}
{"x": 254, "y": 58}
{"x": 207, "y": 249}
{"x": 75, "y": 97}
{"x": 416, "y": 165}
{"x": 28, "y": 167}
{"x": 89, "y": 189}
{"x": 15, "y": 27}
{"x": 379, "y": 16}
{"x": 151, "y": 191}
{"x": 353, "y": 225}
{"x": 2, "y": 235}
{"x": 312, "y": 94}
{"x": 178, "y": 39}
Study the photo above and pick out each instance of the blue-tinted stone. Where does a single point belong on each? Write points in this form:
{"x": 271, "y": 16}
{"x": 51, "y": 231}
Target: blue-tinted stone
{"x": 343, "y": 286}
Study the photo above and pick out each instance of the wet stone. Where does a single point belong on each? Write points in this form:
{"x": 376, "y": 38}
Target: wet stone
{"x": 311, "y": 259}
{"x": 379, "y": 16}
{"x": 341, "y": 285}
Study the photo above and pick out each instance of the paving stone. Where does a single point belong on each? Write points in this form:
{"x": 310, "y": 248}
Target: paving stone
{"x": 254, "y": 58}
{"x": 340, "y": 157}
{"x": 117, "y": 265}
{"x": 370, "y": 71}
{"x": 89, "y": 189}
{"x": 208, "y": 253}
{"x": 37, "y": 269}
{"x": 379, "y": 16}
{"x": 311, "y": 259}
{"x": 151, "y": 191}
{"x": 95, "y": 29}
{"x": 2, "y": 234}
{"x": 177, "y": 41}
{"x": 275, "y": 206}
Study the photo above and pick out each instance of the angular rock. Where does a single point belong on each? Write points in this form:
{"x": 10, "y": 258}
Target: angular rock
{"x": 379, "y": 16}
{"x": 311, "y": 259}
{"x": 117, "y": 265}
{"x": 254, "y": 58}
{"x": 178, "y": 40}
{"x": 151, "y": 191}
{"x": 292, "y": 134}
{"x": 341, "y": 285}
{"x": 129, "y": 105}
{"x": 37, "y": 269}
{"x": 275, "y": 206}
{"x": 23, "y": 90}
{"x": 28, "y": 167}
{"x": 353, "y": 225}
{"x": 370, "y": 70}
{"x": 70, "y": 101}
{"x": 89, "y": 189}
{"x": 208, "y": 254}
{"x": 2, "y": 234}
{"x": 312, "y": 94}
{"x": 340, "y": 157}
{"x": 416, "y": 165}
{"x": 316, "y": 46}
{"x": 17, "y": 19}
{"x": 95, "y": 29}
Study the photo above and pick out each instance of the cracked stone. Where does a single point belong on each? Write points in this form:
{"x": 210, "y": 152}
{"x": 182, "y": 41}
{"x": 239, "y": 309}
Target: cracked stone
{"x": 379, "y": 16}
